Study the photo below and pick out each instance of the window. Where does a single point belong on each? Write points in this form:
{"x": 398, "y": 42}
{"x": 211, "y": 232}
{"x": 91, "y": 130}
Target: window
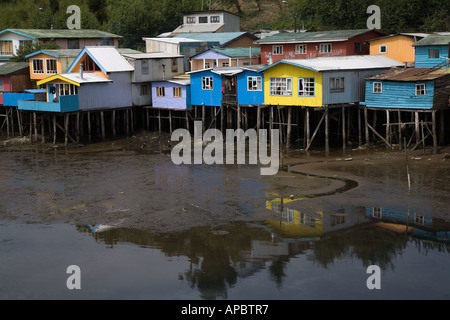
{"x": 177, "y": 92}
{"x": 1, "y": 84}
{"x": 225, "y": 64}
{"x": 377, "y": 87}
{"x": 89, "y": 64}
{"x": 190, "y": 20}
{"x": 73, "y": 44}
{"x": 66, "y": 89}
{"x": 254, "y": 83}
{"x": 38, "y": 66}
{"x": 107, "y": 42}
{"x": 277, "y": 49}
{"x": 144, "y": 67}
{"x": 6, "y": 48}
{"x": 207, "y": 65}
{"x": 337, "y": 85}
{"x": 143, "y": 90}
{"x": 52, "y": 66}
{"x": 377, "y": 213}
{"x": 174, "y": 65}
{"x": 325, "y": 48}
{"x": 202, "y": 19}
{"x": 281, "y": 86}
{"x": 160, "y": 92}
{"x": 306, "y": 86}
{"x": 419, "y": 219}
{"x": 358, "y": 47}
{"x": 420, "y": 89}
{"x": 23, "y": 43}
{"x": 383, "y": 49}
{"x": 207, "y": 83}
{"x": 300, "y": 49}
{"x": 215, "y": 19}
{"x": 433, "y": 53}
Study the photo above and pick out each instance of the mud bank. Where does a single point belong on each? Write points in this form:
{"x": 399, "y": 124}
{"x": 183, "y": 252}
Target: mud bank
{"x": 132, "y": 183}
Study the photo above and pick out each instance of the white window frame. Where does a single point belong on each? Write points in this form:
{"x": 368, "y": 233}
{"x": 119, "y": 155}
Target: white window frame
{"x": 421, "y": 89}
{"x": 203, "y": 19}
{"x": 47, "y": 69}
{"x": 383, "y": 49}
{"x": 66, "y": 89}
{"x": 254, "y": 83}
{"x": 280, "y": 86}
{"x": 377, "y": 212}
{"x": 337, "y": 84}
{"x": 191, "y": 20}
{"x": 377, "y": 87}
{"x": 306, "y": 84}
{"x": 207, "y": 83}
{"x": 277, "y": 49}
{"x": 215, "y": 19}
{"x": 35, "y": 71}
{"x": 300, "y": 49}
{"x": 225, "y": 64}
{"x": 325, "y": 48}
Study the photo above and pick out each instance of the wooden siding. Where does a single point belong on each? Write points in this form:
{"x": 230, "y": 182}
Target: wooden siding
{"x": 399, "y": 47}
{"x": 117, "y": 94}
{"x": 289, "y": 71}
{"x": 354, "y": 84}
{"x": 246, "y": 97}
{"x": 207, "y": 97}
{"x": 169, "y": 101}
{"x": 422, "y": 60}
{"x": 399, "y": 95}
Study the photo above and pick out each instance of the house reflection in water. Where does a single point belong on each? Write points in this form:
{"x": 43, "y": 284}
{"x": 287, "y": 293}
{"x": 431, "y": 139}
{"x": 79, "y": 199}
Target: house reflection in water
{"x": 416, "y": 224}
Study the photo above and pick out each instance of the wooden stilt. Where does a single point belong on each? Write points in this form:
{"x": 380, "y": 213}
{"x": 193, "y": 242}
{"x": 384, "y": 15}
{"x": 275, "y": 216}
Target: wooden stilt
{"x": 315, "y": 131}
{"x": 258, "y": 118}
{"x": 113, "y": 122}
{"x": 77, "y": 127}
{"x": 442, "y": 127}
{"x": 35, "y": 126}
{"x": 66, "y": 128}
{"x": 344, "y": 137}
{"x": 308, "y": 128}
{"x": 366, "y": 125}
{"x": 42, "y": 129}
{"x": 54, "y": 129}
{"x": 433, "y": 129}
{"x": 203, "y": 117}
{"x": 416, "y": 125}
{"x": 238, "y": 117}
{"x": 102, "y": 122}
{"x": 359, "y": 128}
{"x": 288, "y": 131}
{"x": 159, "y": 120}
{"x": 31, "y": 127}
{"x": 186, "y": 113}
{"x": 132, "y": 119}
{"x": 327, "y": 128}
{"x": 19, "y": 121}
{"x": 170, "y": 121}
{"x": 7, "y": 122}
{"x": 388, "y": 127}
{"x": 400, "y": 138}
{"x": 89, "y": 126}
{"x": 12, "y": 121}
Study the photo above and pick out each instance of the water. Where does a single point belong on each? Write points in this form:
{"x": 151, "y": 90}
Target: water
{"x": 140, "y": 227}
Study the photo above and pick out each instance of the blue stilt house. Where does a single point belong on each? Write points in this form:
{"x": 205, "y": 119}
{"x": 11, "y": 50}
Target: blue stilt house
{"x": 432, "y": 51}
{"x": 227, "y": 85}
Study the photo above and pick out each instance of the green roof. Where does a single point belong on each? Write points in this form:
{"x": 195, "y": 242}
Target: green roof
{"x": 315, "y": 36}
{"x": 11, "y": 67}
{"x": 62, "y": 33}
{"x": 434, "y": 40}
{"x": 238, "y": 52}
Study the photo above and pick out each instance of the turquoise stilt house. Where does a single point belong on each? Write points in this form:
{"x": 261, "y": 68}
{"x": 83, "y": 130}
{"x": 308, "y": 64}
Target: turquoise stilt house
{"x": 432, "y": 51}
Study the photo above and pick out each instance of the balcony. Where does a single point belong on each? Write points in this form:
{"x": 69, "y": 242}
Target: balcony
{"x": 65, "y": 104}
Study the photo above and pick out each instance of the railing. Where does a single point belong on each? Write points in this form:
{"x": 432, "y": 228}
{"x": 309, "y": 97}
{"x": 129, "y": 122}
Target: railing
{"x": 65, "y": 104}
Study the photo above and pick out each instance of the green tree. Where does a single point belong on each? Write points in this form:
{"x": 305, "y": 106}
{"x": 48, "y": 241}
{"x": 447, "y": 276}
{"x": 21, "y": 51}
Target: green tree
{"x": 29, "y": 48}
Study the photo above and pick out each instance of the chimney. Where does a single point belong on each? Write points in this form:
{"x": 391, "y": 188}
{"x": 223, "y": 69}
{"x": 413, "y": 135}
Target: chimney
{"x": 81, "y": 70}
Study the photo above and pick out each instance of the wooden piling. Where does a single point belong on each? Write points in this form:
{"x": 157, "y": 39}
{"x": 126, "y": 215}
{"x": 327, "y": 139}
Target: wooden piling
{"x": 288, "y": 131}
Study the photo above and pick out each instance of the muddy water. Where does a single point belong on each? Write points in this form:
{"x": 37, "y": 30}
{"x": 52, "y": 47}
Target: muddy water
{"x": 140, "y": 227}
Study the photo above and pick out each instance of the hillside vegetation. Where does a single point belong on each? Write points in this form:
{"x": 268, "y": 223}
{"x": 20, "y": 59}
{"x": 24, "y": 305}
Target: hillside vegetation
{"x": 134, "y": 19}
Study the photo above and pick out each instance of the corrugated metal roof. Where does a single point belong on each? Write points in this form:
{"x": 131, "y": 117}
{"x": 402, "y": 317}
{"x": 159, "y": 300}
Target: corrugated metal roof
{"x": 412, "y": 74}
{"x": 198, "y": 28}
{"x": 62, "y": 33}
{"x": 57, "y": 53}
{"x": 412, "y": 35}
{"x": 151, "y": 55}
{"x": 315, "y": 36}
{"x": 108, "y": 58}
{"x": 221, "y": 37}
{"x": 11, "y": 67}
{"x": 343, "y": 63}
{"x": 238, "y": 52}
{"x": 175, "y": 40}
{"x": 75, "y": 77}
{"x": 433, "y": 40}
